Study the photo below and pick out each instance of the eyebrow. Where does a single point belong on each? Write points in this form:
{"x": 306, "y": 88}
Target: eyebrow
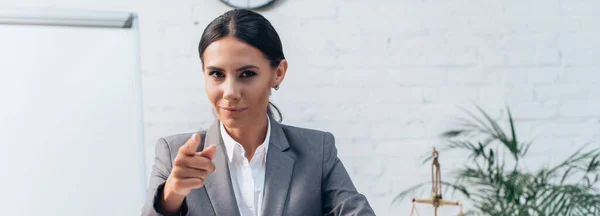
{"x": 239, "y": 69}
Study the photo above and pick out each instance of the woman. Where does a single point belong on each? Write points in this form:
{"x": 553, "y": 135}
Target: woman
{"x": 247, "y": 163}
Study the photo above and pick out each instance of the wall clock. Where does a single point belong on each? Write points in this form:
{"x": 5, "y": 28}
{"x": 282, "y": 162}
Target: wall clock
{"x": 248, "y": 4}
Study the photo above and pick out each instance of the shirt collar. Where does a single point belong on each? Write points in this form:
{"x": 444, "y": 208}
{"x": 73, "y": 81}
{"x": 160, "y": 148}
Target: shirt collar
{"x": 231, "y": 144}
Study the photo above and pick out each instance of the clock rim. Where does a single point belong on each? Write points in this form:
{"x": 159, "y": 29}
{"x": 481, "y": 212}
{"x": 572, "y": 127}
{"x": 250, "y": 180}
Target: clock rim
{"x": 250, "y": 8}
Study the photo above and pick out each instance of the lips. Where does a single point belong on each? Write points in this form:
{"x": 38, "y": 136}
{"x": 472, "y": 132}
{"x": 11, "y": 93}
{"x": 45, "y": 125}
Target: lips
{"x": 233, "y": 109}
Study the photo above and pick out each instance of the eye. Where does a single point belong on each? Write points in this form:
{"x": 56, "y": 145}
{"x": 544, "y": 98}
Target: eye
{"x": 248, "y": 74}
{"x": 217, "y": 74}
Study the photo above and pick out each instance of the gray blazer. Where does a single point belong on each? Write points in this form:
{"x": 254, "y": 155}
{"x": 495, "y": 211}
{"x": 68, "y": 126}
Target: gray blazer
{"x": 303, "y": 177}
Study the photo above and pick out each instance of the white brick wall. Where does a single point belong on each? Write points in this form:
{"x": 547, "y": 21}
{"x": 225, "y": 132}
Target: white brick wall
{"x": 386, "y": 77}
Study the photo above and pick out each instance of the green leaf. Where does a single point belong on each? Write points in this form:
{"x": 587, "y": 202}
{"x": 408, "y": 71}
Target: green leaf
{"x": 410, "y": 190}
{"x": 494, "y": 189}
{"x": 453, "y": 133}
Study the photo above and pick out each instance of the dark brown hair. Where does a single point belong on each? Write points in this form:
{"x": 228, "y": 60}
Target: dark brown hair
{"x": 251, "y": 28}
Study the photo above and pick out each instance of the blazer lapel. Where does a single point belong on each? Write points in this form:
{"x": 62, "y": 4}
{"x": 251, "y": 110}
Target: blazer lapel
{"x": 218, "y": 185}
{"x": 278, "y": 173}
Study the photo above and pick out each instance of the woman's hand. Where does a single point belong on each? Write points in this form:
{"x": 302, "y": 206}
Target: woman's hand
{"x": 190, "y": 170}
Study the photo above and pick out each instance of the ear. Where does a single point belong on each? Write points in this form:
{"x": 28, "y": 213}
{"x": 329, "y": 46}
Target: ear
{"x": 280, "y": 73}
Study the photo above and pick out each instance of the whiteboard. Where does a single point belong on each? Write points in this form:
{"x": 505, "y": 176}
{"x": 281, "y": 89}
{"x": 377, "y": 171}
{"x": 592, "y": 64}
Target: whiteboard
{"x": 71, "y": 124}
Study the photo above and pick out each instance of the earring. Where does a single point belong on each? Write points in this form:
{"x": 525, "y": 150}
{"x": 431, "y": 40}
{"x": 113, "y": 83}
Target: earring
{"x": 276, "y": 87}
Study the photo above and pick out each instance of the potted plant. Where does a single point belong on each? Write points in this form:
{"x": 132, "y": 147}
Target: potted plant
{"x": 495, "y": 181}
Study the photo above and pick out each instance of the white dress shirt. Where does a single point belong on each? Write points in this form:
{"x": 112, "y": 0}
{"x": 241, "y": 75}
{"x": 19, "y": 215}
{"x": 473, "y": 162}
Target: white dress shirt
{"x": 247, "y": 177}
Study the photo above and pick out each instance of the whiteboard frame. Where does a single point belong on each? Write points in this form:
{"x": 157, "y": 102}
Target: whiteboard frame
{"x": 68, "y": 17}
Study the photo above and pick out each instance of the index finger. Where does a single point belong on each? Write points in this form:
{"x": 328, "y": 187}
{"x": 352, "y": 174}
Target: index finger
{"x": 190, "y": 147}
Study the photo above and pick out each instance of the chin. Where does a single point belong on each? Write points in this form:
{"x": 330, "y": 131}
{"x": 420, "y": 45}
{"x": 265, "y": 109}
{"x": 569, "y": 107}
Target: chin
{"x": 231, "y": 122}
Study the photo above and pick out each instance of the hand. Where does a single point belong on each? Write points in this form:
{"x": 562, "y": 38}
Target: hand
{"x": 190, "y": 168}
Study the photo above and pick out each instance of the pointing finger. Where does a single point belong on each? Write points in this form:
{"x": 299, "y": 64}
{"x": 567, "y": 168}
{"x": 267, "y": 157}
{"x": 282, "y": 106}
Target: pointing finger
{"x": 190, "y": 147}
{"x": 209, "y": 152}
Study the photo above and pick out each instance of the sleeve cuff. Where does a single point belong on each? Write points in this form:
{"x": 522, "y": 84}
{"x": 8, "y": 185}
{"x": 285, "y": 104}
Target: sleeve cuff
{"x": 156, "y": 203}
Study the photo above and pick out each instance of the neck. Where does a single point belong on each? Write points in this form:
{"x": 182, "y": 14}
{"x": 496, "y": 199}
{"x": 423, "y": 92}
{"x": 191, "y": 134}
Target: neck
{"x": 250, "y": 137}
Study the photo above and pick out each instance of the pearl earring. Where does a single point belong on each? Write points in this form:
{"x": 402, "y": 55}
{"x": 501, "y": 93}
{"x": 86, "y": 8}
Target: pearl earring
{"x": 276, "y": 87}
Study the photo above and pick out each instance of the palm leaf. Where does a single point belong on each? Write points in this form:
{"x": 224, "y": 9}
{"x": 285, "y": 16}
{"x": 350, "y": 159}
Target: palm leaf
{"x": 515, "y": 149}
{"x": 411, "y": 190}
{"x": 495, "y": 190}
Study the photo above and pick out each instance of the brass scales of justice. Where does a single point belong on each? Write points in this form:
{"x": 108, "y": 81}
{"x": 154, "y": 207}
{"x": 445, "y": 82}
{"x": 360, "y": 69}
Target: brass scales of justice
{"x": 436, "y": 191}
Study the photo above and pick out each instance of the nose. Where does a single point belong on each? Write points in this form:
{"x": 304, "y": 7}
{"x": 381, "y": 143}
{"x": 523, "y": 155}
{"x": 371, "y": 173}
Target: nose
{"x": 231, "y": 90}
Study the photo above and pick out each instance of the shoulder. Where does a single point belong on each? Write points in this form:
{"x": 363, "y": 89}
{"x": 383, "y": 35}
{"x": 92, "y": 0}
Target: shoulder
{"x": 307, "y": 136}
{"x": 302, "y": 131}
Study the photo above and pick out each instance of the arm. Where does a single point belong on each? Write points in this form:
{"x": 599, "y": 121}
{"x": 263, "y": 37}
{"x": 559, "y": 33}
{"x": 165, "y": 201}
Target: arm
{"x": 160, "y": 172}
{"x": 338, "y": 193}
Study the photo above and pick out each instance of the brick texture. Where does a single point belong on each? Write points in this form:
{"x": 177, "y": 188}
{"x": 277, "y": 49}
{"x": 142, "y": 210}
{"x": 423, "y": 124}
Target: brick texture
{"x": 386, "y": 77}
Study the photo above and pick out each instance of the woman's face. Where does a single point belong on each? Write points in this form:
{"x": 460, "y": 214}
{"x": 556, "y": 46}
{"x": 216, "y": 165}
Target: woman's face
{"x": 238, "y": 80}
